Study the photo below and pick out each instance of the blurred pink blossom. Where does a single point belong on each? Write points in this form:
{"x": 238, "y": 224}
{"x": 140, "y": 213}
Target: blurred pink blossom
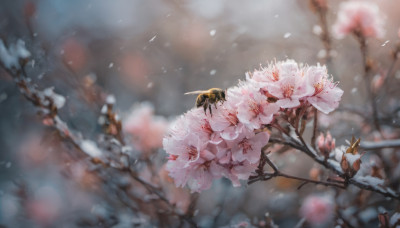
{"x": 46, "y": 206}
{"x": 134, "y": 71}
{"x": 317, "y": 210}
{"x": 147, "y": 130}
{"x": 177, "y": 196}
{"x": 74, "y": 54}
{"x": 361, "y": 17}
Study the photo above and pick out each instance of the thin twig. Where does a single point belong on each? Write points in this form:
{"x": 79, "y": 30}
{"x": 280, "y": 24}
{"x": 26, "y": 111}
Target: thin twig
{"x": 367, "y": 69}
{"x": 380, "y": 145}
{"x": 332, "y": 165}
{"x": 315, "y": 127}
{"x": 277, "y": 173}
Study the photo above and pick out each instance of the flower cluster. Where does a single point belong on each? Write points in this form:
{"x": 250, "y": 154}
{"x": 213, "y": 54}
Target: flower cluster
{"x": 202, "y": 147}
{"x": 359, "y": 17}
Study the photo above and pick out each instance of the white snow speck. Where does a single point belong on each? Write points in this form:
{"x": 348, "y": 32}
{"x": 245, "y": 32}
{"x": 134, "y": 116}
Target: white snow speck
{"x": 90, "y": 148}
{"x": 321, "y": 54}
{"x": 104, "y": 109}
{"x": 110, "y": 99}
{"x": 354, "y": 90}
{"x": 276, "y": 16}
{"x": 384, "y": 44}
{"x": 3, "y": 97}
{"x": 213, "y": 71}
{"x": 101, "y": 120}
{"x": 111, "y": 65}
{"x": 287, "y": 35}
{"x": 153, "y": 38}
{"x": 150, "y": 85}
{"x": 212, "y": 32}
{"x": 8, "y": 165}
{"x": 317, "y": 30}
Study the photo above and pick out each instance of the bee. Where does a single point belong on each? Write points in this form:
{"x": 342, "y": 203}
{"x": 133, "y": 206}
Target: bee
{"x": 208, "y": 97}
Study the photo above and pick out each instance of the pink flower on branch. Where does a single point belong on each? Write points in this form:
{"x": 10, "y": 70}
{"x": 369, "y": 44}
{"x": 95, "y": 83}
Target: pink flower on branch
{"x": 254, "y": 109}
{"x": 359, "y": 17}
{"x": 248, "y": 146}
{"x": 228, "y": 144}
{"x": 325, "y": 94}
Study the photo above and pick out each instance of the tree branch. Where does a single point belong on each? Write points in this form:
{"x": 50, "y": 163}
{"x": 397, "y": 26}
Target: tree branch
{"x": 380, "y": 145}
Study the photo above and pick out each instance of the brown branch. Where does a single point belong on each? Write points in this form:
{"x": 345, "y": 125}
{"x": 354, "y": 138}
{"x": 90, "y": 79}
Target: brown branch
{"x": 389, "y": 77}
{"x": 277, "y": 173}
{"x": 315, "y": 128}
{"x": 367, "y": 78}
{"x": 380, "y": 145}
{"x": 322, "y": 11}
{"x": 333, "y": 166}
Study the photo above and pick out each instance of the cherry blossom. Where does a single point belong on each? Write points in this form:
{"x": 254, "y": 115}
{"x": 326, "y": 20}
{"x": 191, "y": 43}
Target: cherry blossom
{"x": 360, "y": 17}
{"x": 248, "y": 146}
{"x": 254, "y": 109}
{"x": 326, "y": 95}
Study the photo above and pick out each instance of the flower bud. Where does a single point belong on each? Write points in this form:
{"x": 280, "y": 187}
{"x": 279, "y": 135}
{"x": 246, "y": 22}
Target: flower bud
{"x": 356, "y": 165}
{"x": 321, "y": 142}
{"x": 325, "y": 144}
{"x": 351, "y": 160}
{"x": 344, "y": 164}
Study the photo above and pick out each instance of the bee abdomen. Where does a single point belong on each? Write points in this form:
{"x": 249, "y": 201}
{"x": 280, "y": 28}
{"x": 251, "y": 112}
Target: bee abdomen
{"x": 201, "y": 98}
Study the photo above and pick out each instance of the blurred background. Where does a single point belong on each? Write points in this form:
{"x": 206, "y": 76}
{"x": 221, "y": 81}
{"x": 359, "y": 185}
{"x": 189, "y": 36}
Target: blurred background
{"x": 155, "y": 51}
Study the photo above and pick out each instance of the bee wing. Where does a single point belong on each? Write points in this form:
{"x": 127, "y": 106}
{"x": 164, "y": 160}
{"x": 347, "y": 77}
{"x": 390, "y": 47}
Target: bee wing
{"x": 196, "y": 92}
